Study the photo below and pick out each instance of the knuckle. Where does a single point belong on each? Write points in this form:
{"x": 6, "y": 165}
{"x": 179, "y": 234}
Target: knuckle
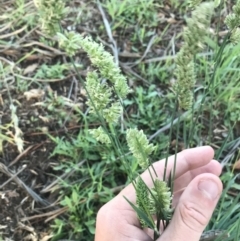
{"x": 193, "y": 216}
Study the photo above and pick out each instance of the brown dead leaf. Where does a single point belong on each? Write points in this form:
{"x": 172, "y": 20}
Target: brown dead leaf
{"x": 13, "y": 194}
{"x": 1, "y": 100}
{"x": 34, "y": 94}
{"x": 31, "y": 237}
{"x": 236, "y": 165}
{"x": 83, "y": 92}
{"x": 3, "y": 226}
{"x": 171, "y": 20}
{"x": 44, "y": 119}
{"x": 34, "y": 57}
{"x": 11, "y": 52}
{"x": 30, "y": 69}
{"x": 4, "y": 197}
{"x": 46, "y": 238}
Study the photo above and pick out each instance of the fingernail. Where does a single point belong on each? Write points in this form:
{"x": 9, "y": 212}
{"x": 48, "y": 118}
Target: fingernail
{"x": 209, "y": 188}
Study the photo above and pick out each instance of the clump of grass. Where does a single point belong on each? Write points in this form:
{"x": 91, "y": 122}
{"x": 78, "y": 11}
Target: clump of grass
{"x": 50, "y": 14}
{"x": 127, "y": 11}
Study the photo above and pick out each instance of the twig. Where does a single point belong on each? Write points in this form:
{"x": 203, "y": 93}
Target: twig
{"x": 51, "y": 213}
{"x": 33, "y": 194}
{"x": 41, "y": 80}
{"x": 64, "y": 175}
{"x": 13, "y": 176}
{"x": 5, "y": 27}
{"x": 33, "y": 43}
{"x": 20, "y": 155}
{"x": 128, "y": 69}
{"x": 13, "y": 33}
{"x": 146, "y": 51}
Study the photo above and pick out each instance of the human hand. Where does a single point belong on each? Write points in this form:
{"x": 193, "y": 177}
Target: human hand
{"x": 197, "y": 189}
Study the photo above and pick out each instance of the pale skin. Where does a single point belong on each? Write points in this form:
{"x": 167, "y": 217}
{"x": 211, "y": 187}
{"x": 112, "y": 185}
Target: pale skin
{"x": 196, "y": 192}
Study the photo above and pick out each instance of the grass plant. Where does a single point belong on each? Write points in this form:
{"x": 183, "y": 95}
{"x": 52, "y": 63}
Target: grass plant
{"x": 129, "y": 114}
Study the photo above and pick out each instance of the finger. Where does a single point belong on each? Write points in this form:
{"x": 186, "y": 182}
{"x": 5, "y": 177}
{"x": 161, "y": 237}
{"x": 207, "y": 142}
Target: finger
{"x": 191, "y": 159}
{"x": 181, "y": 182}
{"x": 213, "y": 167}
{"x": 194, "y": 209}
{"x": 186, "y": 160}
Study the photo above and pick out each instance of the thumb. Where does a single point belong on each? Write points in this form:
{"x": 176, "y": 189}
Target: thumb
{"x": 194, "y": 209}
